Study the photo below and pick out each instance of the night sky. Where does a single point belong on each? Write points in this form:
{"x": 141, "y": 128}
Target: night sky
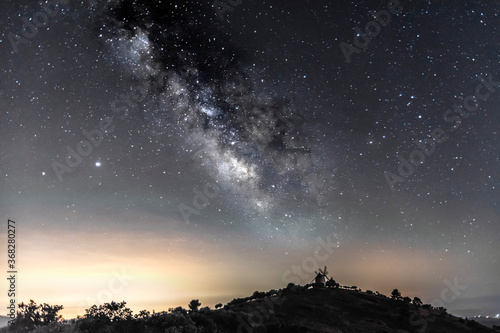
{"x": 162, "y": 151}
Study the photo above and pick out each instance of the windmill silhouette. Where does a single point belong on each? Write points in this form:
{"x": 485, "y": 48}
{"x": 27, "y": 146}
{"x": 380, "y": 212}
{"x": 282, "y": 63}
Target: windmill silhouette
{"x": 321, "y": 277}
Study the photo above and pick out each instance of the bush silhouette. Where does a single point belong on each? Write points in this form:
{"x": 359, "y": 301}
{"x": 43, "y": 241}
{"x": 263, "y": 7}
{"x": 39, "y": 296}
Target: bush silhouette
{"x": 194, "y": 305}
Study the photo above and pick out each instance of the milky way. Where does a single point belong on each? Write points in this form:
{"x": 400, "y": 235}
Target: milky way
{"x": 252, "y": 142}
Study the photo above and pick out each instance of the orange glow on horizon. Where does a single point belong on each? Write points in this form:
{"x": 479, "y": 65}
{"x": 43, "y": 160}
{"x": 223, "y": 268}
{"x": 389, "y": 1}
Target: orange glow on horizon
{"x": 156, "y": 271}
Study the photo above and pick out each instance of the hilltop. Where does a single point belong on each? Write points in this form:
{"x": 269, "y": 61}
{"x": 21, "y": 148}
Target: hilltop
{"x": 294, "y": 309}
{"x": 336, "y": 310}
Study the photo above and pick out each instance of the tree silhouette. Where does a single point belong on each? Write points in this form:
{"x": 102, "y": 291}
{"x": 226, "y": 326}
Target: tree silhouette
{"x": 417, "y": 301}
{"x": 99, "y": 318}
{"x": 50, "y": 313}
{"x": 194, "y": 304}
{"x": 218, "y": 305}
{"x": 396, "y": 294}
{"x": 31, "y": 314}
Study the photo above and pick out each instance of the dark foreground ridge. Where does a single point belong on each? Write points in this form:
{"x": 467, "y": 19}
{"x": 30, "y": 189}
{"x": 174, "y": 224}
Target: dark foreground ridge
{"x": 340, "y": 310}
{"x": 294, "y": 309}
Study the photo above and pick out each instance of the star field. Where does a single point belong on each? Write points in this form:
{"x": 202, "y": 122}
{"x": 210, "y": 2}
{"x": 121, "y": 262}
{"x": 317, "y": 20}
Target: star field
{"x": 253, "y": 130}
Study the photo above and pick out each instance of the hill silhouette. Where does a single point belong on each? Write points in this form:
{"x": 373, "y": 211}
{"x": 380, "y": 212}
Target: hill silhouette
{"x": 294, "y": 309}
{"x": 321, "y": 310}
